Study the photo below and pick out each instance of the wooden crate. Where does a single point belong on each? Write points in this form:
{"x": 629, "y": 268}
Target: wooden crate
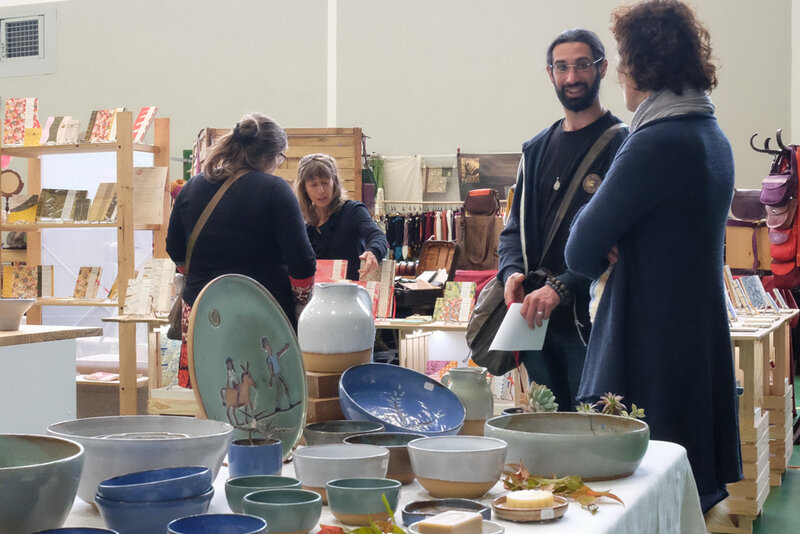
{"x": 739, "y": 247}
{"x": 323, "y": 410}
{"x": 322, "y": 385}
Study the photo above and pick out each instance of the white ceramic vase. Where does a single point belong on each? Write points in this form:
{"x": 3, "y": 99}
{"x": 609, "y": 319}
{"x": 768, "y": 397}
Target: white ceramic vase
{"x": 336, "y": 330}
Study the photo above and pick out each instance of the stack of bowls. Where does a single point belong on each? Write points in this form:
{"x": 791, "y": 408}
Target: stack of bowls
{"x": 145, "y": 502}
{"x": 315, "y": 465}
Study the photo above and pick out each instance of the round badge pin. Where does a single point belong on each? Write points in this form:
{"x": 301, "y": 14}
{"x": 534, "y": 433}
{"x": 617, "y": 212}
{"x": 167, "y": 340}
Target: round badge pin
{"x": 591, "y": 183}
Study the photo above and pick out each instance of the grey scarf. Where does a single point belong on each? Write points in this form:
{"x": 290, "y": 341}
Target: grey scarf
{"x": 665, "y": 103}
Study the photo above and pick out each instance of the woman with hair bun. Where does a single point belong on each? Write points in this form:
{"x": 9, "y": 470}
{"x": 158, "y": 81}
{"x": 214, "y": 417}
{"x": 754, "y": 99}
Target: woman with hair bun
{"x": 653, "y": 235}
{"x": 339, "y": 229}
{"x": 256, "y": 229}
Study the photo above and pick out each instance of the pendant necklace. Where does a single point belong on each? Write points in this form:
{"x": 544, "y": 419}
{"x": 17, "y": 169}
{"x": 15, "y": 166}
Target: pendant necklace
{"x": 557, "y": 184}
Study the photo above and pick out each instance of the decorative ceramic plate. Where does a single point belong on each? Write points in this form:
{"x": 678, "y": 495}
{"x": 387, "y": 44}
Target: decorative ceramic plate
{"x": 245, "y": 363}
{"x": 525, "y": 515}
{"x": 489, "y": 527}
{"x": 419, "y": 510}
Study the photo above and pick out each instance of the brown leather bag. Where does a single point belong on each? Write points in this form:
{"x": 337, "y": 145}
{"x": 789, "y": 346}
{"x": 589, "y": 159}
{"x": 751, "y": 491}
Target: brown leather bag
{"x": 477, "y": 239}
{"x": 482, "y": 202}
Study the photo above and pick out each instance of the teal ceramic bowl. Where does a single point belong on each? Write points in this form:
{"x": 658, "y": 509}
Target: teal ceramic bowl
{"x": 236, "y": 488}
{"x": 286, "y": 510}
{"x": 356, "y": 501}
{"x": 39, "y": 477}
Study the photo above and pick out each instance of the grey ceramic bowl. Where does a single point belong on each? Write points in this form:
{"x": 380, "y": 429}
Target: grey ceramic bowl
{"x": 317, "y": 464}
{"x": 457, "y": 466}
{"x": 38, "y": 480}
{"x": 286, "y": 510}
{"x": 335, "y": 431}
{"x": 119, "y": 445}
{"x": 600, "y": 446}
{"x": 397, "y": 443}
{"x": 236, "y": 488}
{"x": 356, "y": 501}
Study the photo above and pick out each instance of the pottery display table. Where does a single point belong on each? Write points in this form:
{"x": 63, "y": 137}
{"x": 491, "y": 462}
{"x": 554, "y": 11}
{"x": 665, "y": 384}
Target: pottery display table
{"x": 659, "y": 497}
{"x": 37, "y": 376}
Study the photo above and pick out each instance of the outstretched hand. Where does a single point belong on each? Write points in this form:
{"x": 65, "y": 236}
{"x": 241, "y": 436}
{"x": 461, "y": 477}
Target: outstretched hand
{"x": 370, "y": 264}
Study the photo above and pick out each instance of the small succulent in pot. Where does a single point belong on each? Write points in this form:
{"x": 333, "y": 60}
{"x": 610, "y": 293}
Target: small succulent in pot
{"x": 611, "y": 404}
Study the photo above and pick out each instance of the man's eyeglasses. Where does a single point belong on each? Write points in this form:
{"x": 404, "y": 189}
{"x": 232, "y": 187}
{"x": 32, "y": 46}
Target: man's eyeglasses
{"x": 583, "y": 65}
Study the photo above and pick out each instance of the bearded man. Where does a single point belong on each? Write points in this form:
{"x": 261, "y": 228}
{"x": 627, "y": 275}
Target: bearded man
{"x": 575, "y": 64}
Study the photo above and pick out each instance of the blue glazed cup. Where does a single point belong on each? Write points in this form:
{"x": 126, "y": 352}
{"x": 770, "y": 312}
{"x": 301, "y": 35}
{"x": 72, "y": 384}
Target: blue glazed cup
{"x": 259, "y": 457}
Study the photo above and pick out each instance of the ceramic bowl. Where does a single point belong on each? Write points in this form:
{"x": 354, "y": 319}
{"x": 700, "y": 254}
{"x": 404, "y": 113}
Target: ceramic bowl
{"x": 38, "y": 479}
{"x": 600, "y": 446}
{"x": 335, "y": 431}
{"x": 457, "y": 466}
{"x": 11, "y": 312}
{"x": 527, "y": 515}
{"x": 402, "y": 399}
{"x": 236, "y": 488}
{"x": 397, "y": 443}
{"x": 356, "y": 501}
{"x": 419, "y": 510}
{"x": 317, "y": 464}
{"x": 149, "y": 517}
{"x": 78, "y": 530}
{"x": 157, "y": 484}
{"x": 119, "y": 445}
{"x": 219, "y": 524}
{"x": 286, "y": 510}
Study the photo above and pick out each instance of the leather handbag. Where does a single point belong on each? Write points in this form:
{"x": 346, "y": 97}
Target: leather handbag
{"x": 482, "y": 202}
{"x": 175, "y": 316}
{"x": 782, "y": 217}
{"x": 777, "y": 189}
{"x": 477, "y": 240}
{"x": 746, "y": 205}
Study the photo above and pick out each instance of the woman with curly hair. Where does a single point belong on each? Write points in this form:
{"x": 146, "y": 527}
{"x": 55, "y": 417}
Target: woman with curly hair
{"x": 652, "y": 237}
{"x": 256, "y": 229}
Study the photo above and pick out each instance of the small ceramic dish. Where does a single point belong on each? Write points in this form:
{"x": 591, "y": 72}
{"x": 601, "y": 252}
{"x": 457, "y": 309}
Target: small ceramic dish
{"x": 526, "y": 515}
{"x": 489, "y": 527}
{"x": 419, "y": 510}
{"x": 157, "y": 484}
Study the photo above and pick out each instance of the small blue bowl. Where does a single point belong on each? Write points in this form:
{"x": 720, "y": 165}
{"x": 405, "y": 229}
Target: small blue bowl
{"x": 401, "y": 399}
{"x": 219, "y": 524}
{"x": 78, "y": 530}
{"x": 149, "y": 517}
{"x": 157, "y": 484}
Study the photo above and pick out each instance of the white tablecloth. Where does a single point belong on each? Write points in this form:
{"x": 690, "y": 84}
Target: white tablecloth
{"x": 660, "y": 498}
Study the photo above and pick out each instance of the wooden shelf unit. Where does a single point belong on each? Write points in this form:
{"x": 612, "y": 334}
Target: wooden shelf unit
{"x": 123, "y": 147}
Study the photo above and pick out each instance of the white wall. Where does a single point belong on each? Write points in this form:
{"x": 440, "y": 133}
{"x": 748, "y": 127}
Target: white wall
{"x": 418, "y": 76}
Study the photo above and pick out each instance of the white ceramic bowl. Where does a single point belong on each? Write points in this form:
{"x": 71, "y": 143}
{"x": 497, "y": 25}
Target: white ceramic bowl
{"x": 11, "y": 312}
{"x": 316, "y": 465}
{"x": 119, "y": 445}
{"x": 457, "y": 466}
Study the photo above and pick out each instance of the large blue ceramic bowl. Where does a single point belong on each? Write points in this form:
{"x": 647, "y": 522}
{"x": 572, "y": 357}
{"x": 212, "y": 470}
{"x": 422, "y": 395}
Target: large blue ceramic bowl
{"x": 219, "y": 524}
{"x": 150, "y": 517}
{"x": 39, "y": 477}
{"x": 402, "y": 399}
{"x": 157, "y": 484}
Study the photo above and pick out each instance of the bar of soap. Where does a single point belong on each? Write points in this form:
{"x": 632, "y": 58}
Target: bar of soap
{"x": 530, "y": 499}
{"x": 460, "y": 522}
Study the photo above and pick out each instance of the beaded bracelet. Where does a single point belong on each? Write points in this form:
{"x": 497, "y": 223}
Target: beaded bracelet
{"x": 559, "y": 287}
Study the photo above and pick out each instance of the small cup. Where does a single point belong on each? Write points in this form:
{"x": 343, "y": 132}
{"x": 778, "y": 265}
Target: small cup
{"x": 356, "y": 501}
{"x": 237, "y": 488}
{"x": 286, "y": 509}
{"x": 256, "y": 457}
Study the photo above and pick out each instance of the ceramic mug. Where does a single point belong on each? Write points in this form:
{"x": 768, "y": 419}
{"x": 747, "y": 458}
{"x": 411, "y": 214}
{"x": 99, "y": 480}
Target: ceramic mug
{"x": 257, "y": 457}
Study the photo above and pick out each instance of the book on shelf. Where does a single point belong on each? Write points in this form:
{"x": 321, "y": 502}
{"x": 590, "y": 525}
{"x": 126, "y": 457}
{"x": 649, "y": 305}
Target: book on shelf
{"x": 88, "y": 283}
{"x": 386, "y": 289}
{"x": 104, "y": 203}
{"x": 142, "y": 123}
{"x": 70, "y": 128}
{"x": 755, "y": 291}
{"x": 57, "y": 204}
{"x": 113, "y": 292}
{"x": 330, "y": 271}
{"x": 112, "y": 131}
{"x": 33, "y": 136}
{"x": 149, "y": 186}
{"x": 25, "y": 211}
{"x": 103, "y": 125}
{"x": 80, "y": 209}
{"x": 46, "y": 130}
{"x": 27, "y": 281}
{"x": 151, "y": 293}
{"x": 87, "y": 136}
{"x": 453, "y": 309}
{"x": 21, "y": 114}
{"x": 464, "y": 290}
